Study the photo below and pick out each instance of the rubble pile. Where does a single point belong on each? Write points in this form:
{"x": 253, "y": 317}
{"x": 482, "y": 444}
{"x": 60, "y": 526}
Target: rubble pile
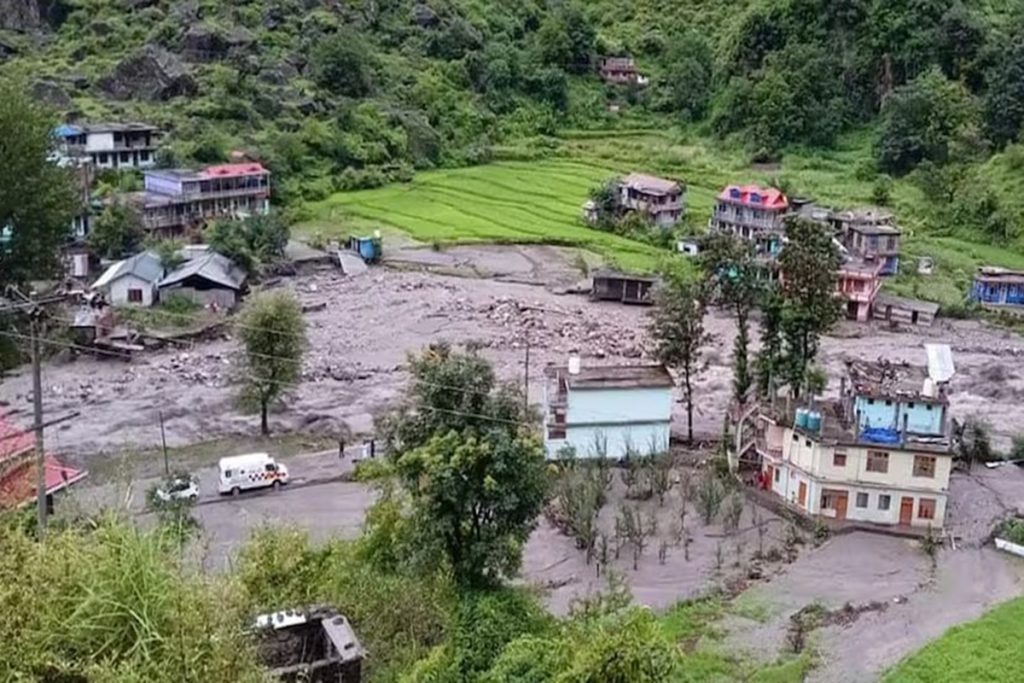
{"x": 561, "y": 330}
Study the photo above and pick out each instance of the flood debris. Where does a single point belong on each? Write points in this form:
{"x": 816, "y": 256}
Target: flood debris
{"x": 315, "y": 644}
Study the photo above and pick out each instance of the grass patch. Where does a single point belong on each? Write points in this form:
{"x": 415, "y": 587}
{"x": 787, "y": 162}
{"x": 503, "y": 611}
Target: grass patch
{"x": 691, "y": 620}
{"x": 750, "y": 607}
{"x": 784, "y": 671}
{"x": 984, "y": 650}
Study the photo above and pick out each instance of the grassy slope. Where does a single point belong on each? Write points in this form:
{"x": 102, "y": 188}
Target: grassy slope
{"x": 539, "y": 201}
{"x": 985, "y": 650}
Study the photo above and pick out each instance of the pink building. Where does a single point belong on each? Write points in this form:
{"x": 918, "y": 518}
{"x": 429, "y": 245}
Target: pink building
{"x": 858, "y": 283}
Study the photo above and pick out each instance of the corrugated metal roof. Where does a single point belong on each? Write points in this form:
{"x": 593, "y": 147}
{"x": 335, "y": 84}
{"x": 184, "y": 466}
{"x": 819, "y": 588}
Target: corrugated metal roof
{"x": 940, "y": 362}
{"x": 213, "y": 267}
{"x": 146, "y": 266}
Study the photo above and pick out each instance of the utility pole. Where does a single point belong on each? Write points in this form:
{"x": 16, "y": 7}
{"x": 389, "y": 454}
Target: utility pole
{"x": 163, "y": 441}
{"x": 526, "y": 380}
{"x": 37, "y": 406}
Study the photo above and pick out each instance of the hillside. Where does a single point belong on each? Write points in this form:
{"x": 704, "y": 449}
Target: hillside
{"x": 337, "y": 95}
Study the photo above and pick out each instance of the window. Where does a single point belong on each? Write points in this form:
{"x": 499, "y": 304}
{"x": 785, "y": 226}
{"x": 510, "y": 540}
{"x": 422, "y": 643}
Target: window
{"x": 928, "y": 406}
{"x": 808, "y": 442}
{"x": 888, "y": 403}
{"x": 910, "y": 406}
{"x": 144, "y": 155}
{"x": 125, "y": 157}
{"x": 871, "y": 401}
{"x": 103, "y": 157}
{"x": 926, "y": 508}
{"x": 796, "y": 437}
{"x": 878, "y": 462}
{"x": 227, "y": 474}
{"x": 828, "y": 501}
{"x": 271, "y": 467}
{"x": 924, "y": 466}
{"x": 883, "y": 501}
{"x": 862, "y": 500}
{"x": 135, "y": 296}
{"x": 778, "y": 475}
{"x": 839, "y": 459}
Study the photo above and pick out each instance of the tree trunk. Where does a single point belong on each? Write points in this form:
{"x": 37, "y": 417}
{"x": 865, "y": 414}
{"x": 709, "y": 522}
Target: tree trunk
{"x": 264, "y": 423}
{"x": 689, "y": 409}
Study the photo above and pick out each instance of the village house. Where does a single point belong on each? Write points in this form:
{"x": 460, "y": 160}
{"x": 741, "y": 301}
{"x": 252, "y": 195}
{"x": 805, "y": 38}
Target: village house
{"x": 610, "y": 285}
{"x": 880, "y": 454}
{"x": 858, "y": 282}
{"x": 660, "y": 200}
{"x": 131, "y": 281}
{"x": 176, "y": 200}
{"x": 607, "y": 412}
{"x": 753, "y": 214}
{"x": 999, "y": 289}
{"x": 18, "y": 470}
{"x": 621, "y": 71}
{"x": 210, "y": 280}
{"x": 108, "y": 145}
{"x": 870, "y": 233}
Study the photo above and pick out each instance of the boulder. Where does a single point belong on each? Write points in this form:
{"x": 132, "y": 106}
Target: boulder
{"x": 187, "y": 12}
{"x": 424, "y": 16}
{"x": 21, "y": 15}
{"x": 205, "y": 43}
{"x": 53, "y": 95}
{"x": 153, "y": 74}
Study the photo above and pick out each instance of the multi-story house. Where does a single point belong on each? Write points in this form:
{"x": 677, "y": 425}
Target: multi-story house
{"x": 858, "y": 283}
{"x": 609, "y": 411}
{"x": 999, "y": 289}
{"x": 621, "y": 71}
{"x": 176, "y": 200}
{"x": 108, "y": 145}
{"x": 754, "y": 214}
{"x": 870, "y": 233}
{"x": 880, "y": 454}
{"x": 661, "y": 201}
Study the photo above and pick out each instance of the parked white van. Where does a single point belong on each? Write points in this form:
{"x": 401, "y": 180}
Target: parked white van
{"x": 253, "y": 471}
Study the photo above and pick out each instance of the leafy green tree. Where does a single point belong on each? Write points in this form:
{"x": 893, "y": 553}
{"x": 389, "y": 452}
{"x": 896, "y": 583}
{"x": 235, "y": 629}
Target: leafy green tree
{"x": 273, "y": 334}
{"x": 117, "y": 232}
{"x": 810, "y": 261}
{"x": 168, "y": 251}
{"x": 881, "y": 190}
{"x": 921, "y": 121}
{"x": 257, "y": 239}
{"x": 341, "y": 63}
{"x": 1004, "y": 98}
{"x": 566, "y": 40}
{"x": 768, "y": 364}
{"x": 677, "y": 329}
{"x": 452, "y": 391}
{"x": 685, "y": 85}
{"x": 728, "y": 264}
{"x": 478, "y": 498}
{"x": 37, "y": 198}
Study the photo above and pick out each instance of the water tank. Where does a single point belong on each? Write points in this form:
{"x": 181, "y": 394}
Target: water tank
{"x": 814, "y": 422}
{"x": 801, "y": 418}
{"x": 574, "y": 365}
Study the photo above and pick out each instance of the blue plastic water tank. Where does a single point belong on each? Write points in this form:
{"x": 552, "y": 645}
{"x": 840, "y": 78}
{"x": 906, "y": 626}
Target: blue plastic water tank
{"x": 814, "y": 422}
{"x": 801, "y": 418}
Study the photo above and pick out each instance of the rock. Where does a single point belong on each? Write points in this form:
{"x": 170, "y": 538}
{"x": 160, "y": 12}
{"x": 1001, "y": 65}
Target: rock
{"x": 153, "y": 75}
{"x": 20, "y": 15}
{"x": 136, "y": 5}
{"x": 205, "y": 43}
{"x": 424, "y": 16}
{"x": 186, "y": 12}
{"x": 7, "y": 49}
{"x": 52, "y": 94}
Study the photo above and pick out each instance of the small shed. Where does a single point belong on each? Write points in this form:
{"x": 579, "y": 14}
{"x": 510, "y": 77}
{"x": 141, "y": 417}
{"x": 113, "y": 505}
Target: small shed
{"x": 902, "y": 311}
{"x": 628, "y": 289}
{"x": 208, "y": 280}
{"x": 369, "y": 248}
{"x": 316, "y": 644}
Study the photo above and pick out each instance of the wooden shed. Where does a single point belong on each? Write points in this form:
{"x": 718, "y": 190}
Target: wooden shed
{"x": 902, "y": 311}
{"x": 628, "y": 289}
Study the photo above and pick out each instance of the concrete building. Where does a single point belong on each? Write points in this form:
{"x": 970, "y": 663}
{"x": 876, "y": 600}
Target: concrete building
{"x": 609, "y": 285}
{"x": 176, "y": 200}
{"x": 209, "y": 280}
{"x": 610, "y": 412}
{"x": 858, "y": 283}
{"x": 132, "y": 281}
{"x": 108, "y": 145}
{"x": 621, "y": 71}
{"x": 661, "y": 201}
{"x": 880, "y": 454}
{"x": 999, "y": 289}
{"x": 870, "y": 233}
{"x": 754, "y": 214}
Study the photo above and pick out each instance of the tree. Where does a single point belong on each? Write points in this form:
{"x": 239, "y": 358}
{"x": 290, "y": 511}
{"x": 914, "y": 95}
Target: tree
{"x": 566, "y": 40}
{"x": 341, "y": 64}
{"x": 273, "y": 335}
{"x": 256, "y": 239}
{"x": 117, "y": 232}
{"x": 729, "y": 264}
{"x": 37, "y": 198}
{"x": 1004, "y": 99}
{"x": 769, "y": 359}
{"x": 921, "y": 121}
{"x": 679, "y": 336}
{"x": 685, "y": 87}
{"x": 810, "y": 261}
{"x": 478, "y": 497}
{"x": 452, "y": 391}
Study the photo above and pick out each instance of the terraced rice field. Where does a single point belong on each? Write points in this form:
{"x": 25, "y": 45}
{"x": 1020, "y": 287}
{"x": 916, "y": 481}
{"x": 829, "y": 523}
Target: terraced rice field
{"x": 506, "y": 202}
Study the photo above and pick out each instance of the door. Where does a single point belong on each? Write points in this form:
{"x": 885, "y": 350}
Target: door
{"x": 769, "y": 474}
{"x": 801, "y": 495}
{"x": 906, "y": 511}
{"x": 841, "y": 501}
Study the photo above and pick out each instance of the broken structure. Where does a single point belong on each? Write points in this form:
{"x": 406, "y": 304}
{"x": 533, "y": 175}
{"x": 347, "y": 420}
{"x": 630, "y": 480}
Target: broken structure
{"x": 314, "y": 645}
{"x": 609, "y": 285}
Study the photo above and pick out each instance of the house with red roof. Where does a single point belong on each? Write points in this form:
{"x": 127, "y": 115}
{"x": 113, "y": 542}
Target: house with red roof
{"x": 752, "y": 213}
{"x": 177, "y": 199}
{"x": 18, "y": 473}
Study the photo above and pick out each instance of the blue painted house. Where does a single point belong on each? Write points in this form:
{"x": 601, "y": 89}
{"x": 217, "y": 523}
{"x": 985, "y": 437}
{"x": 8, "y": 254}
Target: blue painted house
{"x": 610, "y": 411}
{"x": 999, "y": 288}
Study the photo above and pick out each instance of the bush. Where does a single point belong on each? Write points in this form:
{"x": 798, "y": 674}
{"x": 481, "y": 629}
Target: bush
{"x": 1011, "y": 530}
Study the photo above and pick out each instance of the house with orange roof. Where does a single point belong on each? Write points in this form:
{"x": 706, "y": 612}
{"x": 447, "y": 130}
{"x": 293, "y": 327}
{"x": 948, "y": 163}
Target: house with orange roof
{"x": 18, "y": 474}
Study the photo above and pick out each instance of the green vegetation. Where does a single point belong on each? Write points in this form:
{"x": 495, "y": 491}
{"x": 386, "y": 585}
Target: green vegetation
{"x": 984, "y": 650}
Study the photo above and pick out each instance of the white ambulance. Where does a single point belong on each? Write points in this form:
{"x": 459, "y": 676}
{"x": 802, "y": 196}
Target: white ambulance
{"x": 253, "y": 471}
